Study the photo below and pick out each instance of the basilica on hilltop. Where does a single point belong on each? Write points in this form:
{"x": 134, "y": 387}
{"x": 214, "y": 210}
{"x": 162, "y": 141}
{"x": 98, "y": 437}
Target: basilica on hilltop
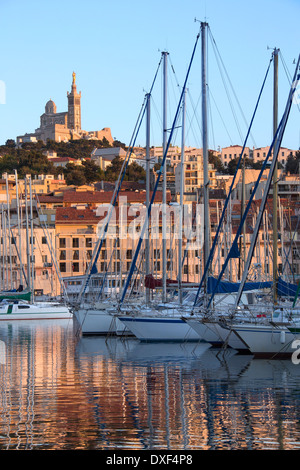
{"x": 64, "y": 126}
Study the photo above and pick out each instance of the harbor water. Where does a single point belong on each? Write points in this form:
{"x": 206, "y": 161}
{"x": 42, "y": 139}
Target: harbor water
{"x": 63, "y": 391}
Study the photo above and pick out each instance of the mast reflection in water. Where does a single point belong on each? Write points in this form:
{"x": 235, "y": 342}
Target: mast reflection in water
{"x": 58, "y": 391}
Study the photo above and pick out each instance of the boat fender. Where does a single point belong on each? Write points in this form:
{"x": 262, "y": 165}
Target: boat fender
{"x": 261, "y": 315}
{"x": 282, "y": 337}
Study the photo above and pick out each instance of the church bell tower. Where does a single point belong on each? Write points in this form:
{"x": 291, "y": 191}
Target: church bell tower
{"x": 74, "y": 107}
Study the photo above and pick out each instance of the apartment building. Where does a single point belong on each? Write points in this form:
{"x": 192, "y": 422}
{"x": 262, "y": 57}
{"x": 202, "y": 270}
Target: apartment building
{"x": 232, "y": 152}
{"x": 255, "y": 154}
{"x": 33, "y": 250}
{"x": 67, "y": 223}
{"x": 262, "y": 152}
{"x": 41, "y": 184}
{"x": 193, "y": 175}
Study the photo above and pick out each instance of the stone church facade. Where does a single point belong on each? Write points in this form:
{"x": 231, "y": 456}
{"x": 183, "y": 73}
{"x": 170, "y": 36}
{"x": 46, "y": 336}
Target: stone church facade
{"x": 66, "y": 125}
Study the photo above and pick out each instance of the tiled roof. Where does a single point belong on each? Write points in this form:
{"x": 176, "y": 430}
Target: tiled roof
{"x": 64, "y": 159}
{"x": 96, "y": 197}
{"x": 126, "y": 186}
{"x": 70, "y": 215}
{"x": 43, "y": 198}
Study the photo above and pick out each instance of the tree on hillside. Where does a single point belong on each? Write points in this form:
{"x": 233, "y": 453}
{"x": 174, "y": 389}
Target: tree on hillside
{"x": 216, "y": 162}
{"x": 134, "y": 172}
{"x": 79, "y": 148}
{"x": 113, "y": 170}
{"x": 10, "y": 143}
{"x": 75, "y": 176}
{"x": 293, "y": 163}
{"x": 92, "y": 172}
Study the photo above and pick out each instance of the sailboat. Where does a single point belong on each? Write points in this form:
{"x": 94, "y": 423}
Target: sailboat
{"x": 19, "y": 304}
{"x": 163, "y": 322}
{"x": 101, "y": 317}
{"x": 276, "y": 336}
{"x": 22, "y": 310}
{"x": 272, "y": 328}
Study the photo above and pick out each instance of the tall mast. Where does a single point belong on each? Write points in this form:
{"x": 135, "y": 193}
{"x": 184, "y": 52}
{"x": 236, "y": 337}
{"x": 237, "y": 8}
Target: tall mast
{"x": 275, "y": 177}
{"x": 19, "y": 228}
{"x": 181, "y": 200}
{"x": 9, "y": 234}
{"x": 27, "y": 234}
{"x": 147, "y": 241}
{"x": 5, "y": 258}
{"x": 278, "y": 137}
{"x": 164, "y": 198}
{"x": 2, "y": 250}
{"x": 206, "y": 246}
{"x": 31, "y": 241}
{"x": 243, "y": 236}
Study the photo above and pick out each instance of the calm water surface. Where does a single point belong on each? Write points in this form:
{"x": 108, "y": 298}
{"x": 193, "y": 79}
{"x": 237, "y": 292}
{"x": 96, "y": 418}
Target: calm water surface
{"x": 60, "y": 391}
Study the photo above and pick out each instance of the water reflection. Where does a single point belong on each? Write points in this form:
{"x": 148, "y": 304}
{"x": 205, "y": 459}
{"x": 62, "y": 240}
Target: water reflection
{"x": 58, "y": 391}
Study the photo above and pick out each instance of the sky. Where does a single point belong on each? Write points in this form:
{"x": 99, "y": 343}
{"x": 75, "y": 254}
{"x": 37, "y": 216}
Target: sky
{"x": 115, "y": 48}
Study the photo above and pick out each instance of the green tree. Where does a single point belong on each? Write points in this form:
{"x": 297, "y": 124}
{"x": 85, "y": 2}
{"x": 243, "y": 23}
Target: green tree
{"x": 10, "y": 143}
{"x": 91, "y": 171}
{"x": 216, "y": 162}
{"x": 113, "y": 170}
{"x": 135, "y": 172}
{"x": 75, "y": 176}
{"x": 293, "y": 163}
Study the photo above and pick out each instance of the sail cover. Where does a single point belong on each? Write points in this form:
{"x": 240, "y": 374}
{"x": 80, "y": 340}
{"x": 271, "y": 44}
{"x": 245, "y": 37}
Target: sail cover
{"x": 225, "y": 287}
{"x": 286, "y": 289}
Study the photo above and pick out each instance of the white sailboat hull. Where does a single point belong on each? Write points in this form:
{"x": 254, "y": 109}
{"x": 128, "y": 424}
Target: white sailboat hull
{"x": 99, "y": 322}
{"x": 229, "y": 337}
{"x": 21, "y": 311}
{"x": 215, "y": 334}
{"x": 267, "y": 340}
{"x": 151, "y": 328}
{"x": 205, "y": 332}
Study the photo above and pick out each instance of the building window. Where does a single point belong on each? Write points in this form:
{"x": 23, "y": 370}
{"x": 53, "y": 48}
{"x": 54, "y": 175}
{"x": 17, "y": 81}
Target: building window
{"x": 62, "y": 255}
{"x": 76, "y": 254}
{"x": 117, "y": 266}
{"x": 44, "y": 241}
{"x": 75, "y": 267}
{"x": 103, "y": 267}
{"x": 62, "y": 267}
{"x": 62, "y": 243}
{"x": 75, "y": 242}
{"x": 88, "y": 242}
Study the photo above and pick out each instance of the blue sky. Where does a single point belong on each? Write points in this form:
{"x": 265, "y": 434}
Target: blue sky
{"x": 115, "y": 47}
